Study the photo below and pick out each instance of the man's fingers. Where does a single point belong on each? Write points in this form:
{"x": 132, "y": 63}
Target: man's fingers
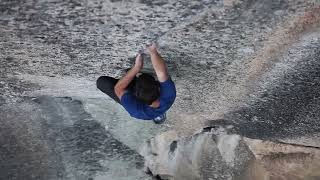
{"x": 151, "y": 47}
{"x": 140, "y": 52}
{"x": 151, "y": 44}
{"x": 139, "y": 59}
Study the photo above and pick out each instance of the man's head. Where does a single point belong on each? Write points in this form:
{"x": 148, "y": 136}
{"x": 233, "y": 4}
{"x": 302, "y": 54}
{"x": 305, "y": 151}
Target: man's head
{"x": 147, "y": 89}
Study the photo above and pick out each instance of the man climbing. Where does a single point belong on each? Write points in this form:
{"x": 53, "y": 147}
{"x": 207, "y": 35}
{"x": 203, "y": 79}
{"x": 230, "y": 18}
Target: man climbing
{"x": 142, "y": 96}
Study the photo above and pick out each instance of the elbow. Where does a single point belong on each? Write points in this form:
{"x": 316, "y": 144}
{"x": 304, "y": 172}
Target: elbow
{"x": 118, "y": 91}
{"x": 163, "y": 76}
{"x": 117, "y": 87}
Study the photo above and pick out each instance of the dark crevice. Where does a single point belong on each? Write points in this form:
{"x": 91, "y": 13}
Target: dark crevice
{"x": 173, "y": 146}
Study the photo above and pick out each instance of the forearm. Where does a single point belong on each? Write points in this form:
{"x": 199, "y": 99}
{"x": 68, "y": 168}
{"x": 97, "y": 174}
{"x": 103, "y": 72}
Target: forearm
{"x": 123, "y": 83}
{"x": 159, "y": 66}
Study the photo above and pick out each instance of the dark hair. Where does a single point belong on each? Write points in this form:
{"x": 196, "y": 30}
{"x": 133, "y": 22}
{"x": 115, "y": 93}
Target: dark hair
{"x": 147, "y": 89}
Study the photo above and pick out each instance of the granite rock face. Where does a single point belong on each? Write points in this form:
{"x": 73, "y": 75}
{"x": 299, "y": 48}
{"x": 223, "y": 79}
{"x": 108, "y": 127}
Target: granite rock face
{"x": 54, "y": 138}
{"x": 250, "y": 68}
{"x": 217, "y": 153}
{"x": 202, "y": 156}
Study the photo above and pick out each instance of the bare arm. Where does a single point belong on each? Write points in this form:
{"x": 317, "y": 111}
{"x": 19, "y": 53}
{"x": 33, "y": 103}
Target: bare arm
{"x": 158, "y": 63}
{"x": 123, "y": 83}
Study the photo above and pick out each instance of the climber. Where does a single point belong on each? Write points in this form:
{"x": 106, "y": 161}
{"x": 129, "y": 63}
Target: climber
{"x": 140, "y": 94}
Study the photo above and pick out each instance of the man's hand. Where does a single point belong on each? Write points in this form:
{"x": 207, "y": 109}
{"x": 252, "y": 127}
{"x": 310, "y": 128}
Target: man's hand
{"x": 152, "y": 48}
{"x": 139, "y": 62}
{"x": 158, "y": 63}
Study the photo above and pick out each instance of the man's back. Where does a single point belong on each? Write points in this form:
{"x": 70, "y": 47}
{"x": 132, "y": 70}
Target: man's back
{"x": 140, "y": 110}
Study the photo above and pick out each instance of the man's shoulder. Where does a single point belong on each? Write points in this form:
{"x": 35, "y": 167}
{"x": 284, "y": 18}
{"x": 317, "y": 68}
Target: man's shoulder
{"x": 167, "y": 89}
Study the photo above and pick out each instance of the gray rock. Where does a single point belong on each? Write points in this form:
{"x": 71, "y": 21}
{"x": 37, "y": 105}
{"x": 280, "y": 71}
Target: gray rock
{"x": 253, "y": 64}
{"x": 54, "y": 138}
{"x": 203, "y": 156}
{"x": 216, "y": 153}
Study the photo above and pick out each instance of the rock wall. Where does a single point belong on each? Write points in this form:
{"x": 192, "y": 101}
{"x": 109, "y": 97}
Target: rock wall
{"x": 54, "y": 138}
{"x": 218, "y": 153}
{"x": 245, "y": 71}
{"x": 202, "y": 156}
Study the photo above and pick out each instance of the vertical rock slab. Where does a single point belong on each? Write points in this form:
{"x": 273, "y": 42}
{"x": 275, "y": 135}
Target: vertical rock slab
{"x": 216, "y": 153}
{"x": 203, "y": 156}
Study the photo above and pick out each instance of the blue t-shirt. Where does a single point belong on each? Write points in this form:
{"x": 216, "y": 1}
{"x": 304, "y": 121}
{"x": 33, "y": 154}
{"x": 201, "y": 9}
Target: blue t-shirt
{"x": 139, "y": 110}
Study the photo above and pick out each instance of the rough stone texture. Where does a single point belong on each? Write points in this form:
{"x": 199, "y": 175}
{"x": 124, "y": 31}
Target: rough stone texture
{"x": 216, "y": 153}
{"x": 286, "y": 102}
{"x": 203, "y": 156}
{"x": 254, "y": 65}
{"x": 282, "y": 161}
{"x": 239, "y": 64}
{"x": 54, "y": 138}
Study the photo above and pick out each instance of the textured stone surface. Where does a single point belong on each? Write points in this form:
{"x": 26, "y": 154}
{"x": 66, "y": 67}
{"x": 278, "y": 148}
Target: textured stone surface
{"x": 284, "y": 103}
{"x": 54, "y": 138}
{"x": 254, "y": 65}
{"x": 203, "y": 156}
{"x": 282, "y": 161}
{"x": 216, "y": 153}
{"x": 234, "y": 76}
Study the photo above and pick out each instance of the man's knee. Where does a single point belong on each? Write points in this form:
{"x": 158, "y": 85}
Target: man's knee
{"x": 105, "y": 82}
{"x": 99, "y": 81}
